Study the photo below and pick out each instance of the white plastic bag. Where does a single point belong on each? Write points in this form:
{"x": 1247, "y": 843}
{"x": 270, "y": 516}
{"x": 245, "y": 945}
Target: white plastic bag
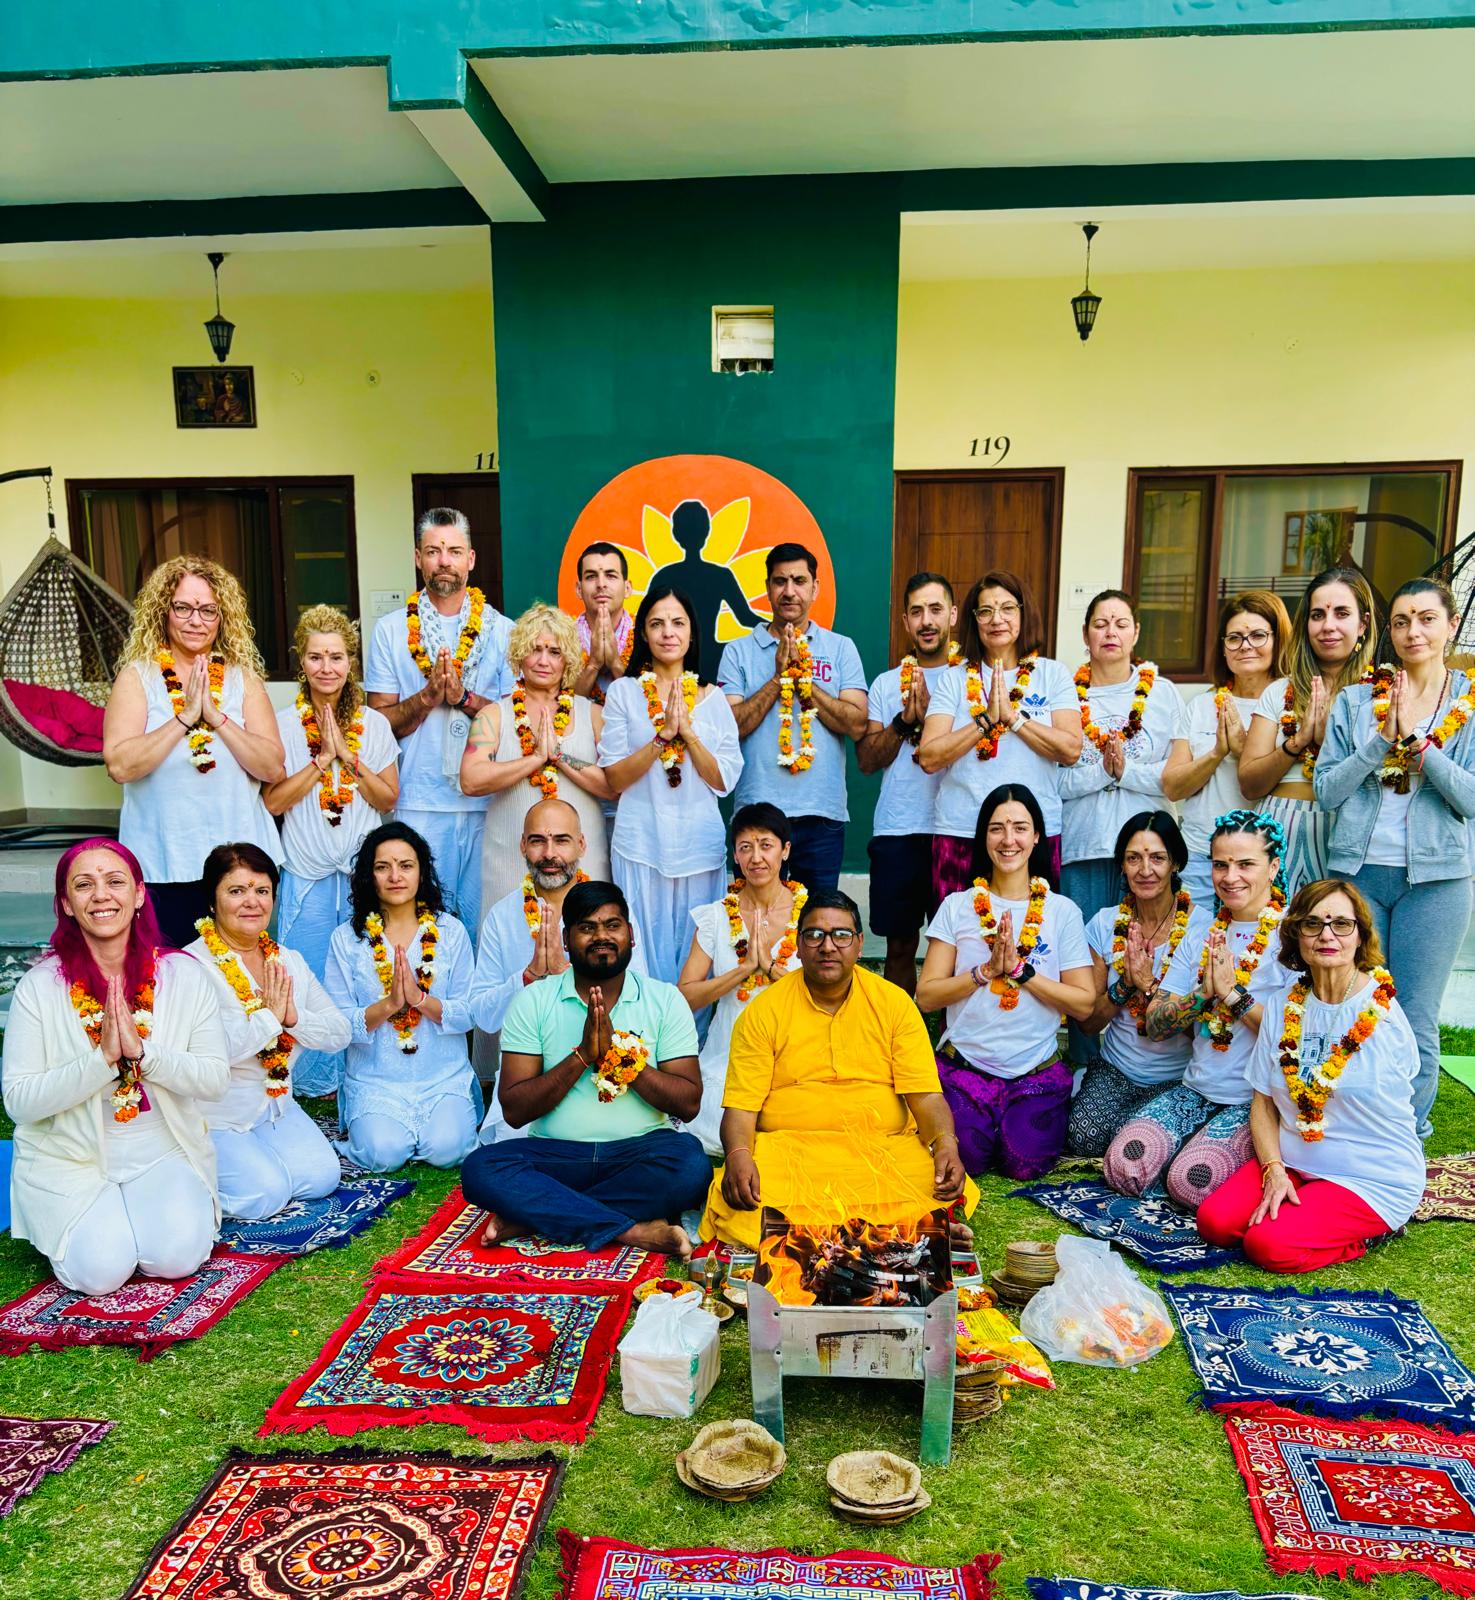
{"x": 1097, "y": 1311}
{"x": 670, "y": 1358}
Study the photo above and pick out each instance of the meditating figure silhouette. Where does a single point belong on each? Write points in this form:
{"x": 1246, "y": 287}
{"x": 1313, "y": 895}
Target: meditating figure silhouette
{"x": 708, "y": 584}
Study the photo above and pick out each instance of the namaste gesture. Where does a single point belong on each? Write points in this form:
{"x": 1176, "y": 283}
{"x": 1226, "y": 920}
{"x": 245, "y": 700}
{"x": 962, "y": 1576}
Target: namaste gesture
{"x": 549, "y": 956}
{"x": 914, "y": 707}
{"x": 1004, "y": 956}
{"x": 1218, "y": 978}
{"x": 198, "y": 704}
{"x": 276, "y": 993}
{"x": 604, "y": 650}
{"x": 120, "y": 1040}
{"x": 678, "y": 721}
{"x": 1312, "y": 731}
{"x": 1114, "y": 757}
{"x": 333, "y": 746}
{"x": 1138, "y": 959}
{"x": 443, "y": 687}
{"x": 598, "y": 1033}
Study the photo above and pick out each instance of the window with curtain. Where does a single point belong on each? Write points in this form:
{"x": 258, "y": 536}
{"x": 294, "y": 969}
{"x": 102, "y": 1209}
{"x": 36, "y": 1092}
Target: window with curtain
{"x": 290, "y": 542}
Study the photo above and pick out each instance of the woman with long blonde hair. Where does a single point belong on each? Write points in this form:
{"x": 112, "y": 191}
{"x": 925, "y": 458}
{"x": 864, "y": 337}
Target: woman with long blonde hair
{"x": 190, "y": 733}
{"x": 342, "y": 781}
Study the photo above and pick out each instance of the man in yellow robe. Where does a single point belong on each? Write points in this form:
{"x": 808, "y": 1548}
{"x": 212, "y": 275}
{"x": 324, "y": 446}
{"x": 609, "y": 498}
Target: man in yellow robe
{"x": 833, "y": 1108}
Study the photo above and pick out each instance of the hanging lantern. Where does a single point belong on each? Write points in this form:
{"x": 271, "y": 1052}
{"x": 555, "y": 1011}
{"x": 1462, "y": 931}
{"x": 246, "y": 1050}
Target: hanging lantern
{"x": 219, "y": 329}
{"x": 1085, "y": 305}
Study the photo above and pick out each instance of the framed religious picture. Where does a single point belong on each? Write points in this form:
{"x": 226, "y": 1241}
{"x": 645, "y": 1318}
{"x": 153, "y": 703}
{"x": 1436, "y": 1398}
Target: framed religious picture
{"x": 214, "y": 397}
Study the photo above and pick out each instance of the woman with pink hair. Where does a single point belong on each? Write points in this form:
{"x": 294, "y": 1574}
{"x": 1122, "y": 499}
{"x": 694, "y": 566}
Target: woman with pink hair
{"x": 111, "y": 1045}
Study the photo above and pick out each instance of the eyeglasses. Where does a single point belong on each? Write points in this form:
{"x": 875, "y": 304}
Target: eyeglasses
{"x": 1343, "y": 927}
{"x": 1255, "y": 640}
{"x": 182, "y": 612}
{"x": 1004, "y": 613}
{"x": 842, "y": 938}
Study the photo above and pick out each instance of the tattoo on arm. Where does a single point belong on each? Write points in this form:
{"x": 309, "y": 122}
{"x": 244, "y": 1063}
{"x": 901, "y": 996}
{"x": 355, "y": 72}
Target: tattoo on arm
{"x": 576, "y": 762}
{"x": 1170, "y": 1014}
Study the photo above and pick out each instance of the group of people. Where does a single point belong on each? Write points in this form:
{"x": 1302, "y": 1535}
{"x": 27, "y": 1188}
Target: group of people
{"x": 1203, "y": 892}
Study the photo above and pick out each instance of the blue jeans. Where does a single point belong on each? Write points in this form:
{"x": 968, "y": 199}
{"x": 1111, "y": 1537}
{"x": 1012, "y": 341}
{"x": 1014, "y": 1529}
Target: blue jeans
{"x": 579, "y": 1192}
{"x": 816, "y": 849}
{"x": 1421, "y": 926}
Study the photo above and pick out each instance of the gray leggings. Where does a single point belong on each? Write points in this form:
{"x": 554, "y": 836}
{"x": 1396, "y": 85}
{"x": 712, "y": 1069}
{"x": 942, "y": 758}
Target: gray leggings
{"x": 1422, "y": 926}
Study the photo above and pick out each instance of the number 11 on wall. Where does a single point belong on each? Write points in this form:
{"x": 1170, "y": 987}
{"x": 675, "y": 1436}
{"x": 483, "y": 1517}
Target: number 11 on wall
{"x": 993, "y": 450}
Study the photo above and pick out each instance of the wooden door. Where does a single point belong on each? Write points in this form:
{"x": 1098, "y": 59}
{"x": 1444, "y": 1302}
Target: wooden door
{"x": 962, "y": 524}
{"x": 478, "y": 497}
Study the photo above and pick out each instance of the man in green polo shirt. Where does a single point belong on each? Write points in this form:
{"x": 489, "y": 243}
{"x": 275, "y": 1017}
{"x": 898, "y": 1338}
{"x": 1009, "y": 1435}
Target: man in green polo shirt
{"x": 596, "y": 1061}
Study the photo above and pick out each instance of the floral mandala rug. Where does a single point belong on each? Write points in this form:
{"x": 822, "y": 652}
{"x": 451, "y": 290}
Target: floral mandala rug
{"x": 303, "y": 1226}
{"x": 1336, "y": 1352}
{"x": 148, "y": 1312}
{"x": 353, "y": 1524}
{"x": 1153, "y": 1229}
{"x": 502, "y": 1363}
{"x": 1449, "y": 1191}
{"x": 449, "y": 1247}
{"x": 31, "y": 1447}
{"x": 1357, "y": 1499}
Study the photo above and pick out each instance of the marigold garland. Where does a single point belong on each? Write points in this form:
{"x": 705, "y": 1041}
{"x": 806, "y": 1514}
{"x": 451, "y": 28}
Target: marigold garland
{"x": 1100, "y": 737}
{"x": 1136, "y": 1003}
{"x": 1395, "y": 770}
{"x": 1381, "y": 679}
{"x": 627, "y": 1057}
{"x": 797, "y": 680}
{"x": 274, "y": 1056}
{"x": 738, "y": 930}
{"x": 531, "y": 902}
{"x": 673, "y": 751}
{"x": 200, "y": 734}
{"x": 334, "y": 795}
{"x": 470, "y": 632}
{"x": 988, "y": 739}
{"x": 1034, "y": 915}
{"x": 1217, "y": 1024}
{"x": 1309, "y": 1094}
{"x": 127, "y": 1095}
{"x": 908, "y": 673}
{"x": 546, "y": 777}
{"x": 406, "y": 1020}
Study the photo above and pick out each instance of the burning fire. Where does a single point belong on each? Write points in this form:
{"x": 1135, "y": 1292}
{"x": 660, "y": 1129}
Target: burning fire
{"x": 854, "y": 1263}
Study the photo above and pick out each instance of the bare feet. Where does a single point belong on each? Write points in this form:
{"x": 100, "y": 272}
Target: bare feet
{"x": 662, "y": 1238}
{"x": 498, "y": 1231}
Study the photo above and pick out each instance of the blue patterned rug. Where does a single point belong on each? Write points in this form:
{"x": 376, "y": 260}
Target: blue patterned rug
{"x": 307, "y": 1225}
{"x": 1080, "y": 1589}
{"x": 1150, "y": 1227}
{"x": 1337, "y": 1352}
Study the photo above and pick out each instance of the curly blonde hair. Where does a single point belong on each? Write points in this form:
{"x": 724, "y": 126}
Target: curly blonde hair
{"x": 538, "y": 619}
{"x": 329, "y": 619}
{"x": 235, "y": 638}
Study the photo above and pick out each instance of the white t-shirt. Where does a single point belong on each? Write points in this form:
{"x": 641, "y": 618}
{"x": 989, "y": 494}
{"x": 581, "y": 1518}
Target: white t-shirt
{"x": 313, "y": 848}
{"x": 1219, "y": 1075}
{"x": 1139, "y": 1058}
{"x": 908, "y": 795}
{"x": 1388, "y": 844}
{"x": 1096, "y": 806}
{"x": 1222, "y": 792}
{"x": 965, "y": 784}
{"x": 1371, "y": 1145}
{"x": 1008, "y": 1044}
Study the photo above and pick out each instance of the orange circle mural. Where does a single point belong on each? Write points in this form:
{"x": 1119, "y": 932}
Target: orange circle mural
{"x": 706, "y": 524}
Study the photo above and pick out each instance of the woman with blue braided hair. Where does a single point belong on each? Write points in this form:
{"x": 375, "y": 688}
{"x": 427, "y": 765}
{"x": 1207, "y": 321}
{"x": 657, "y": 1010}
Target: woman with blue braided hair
{"x": 1192, "y": 1137}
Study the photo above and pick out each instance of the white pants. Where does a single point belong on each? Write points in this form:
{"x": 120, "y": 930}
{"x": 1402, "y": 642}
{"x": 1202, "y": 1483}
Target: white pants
{"x": 260, "y": 1170}
{"x": 447, "y": 1136}
{"x": 161, "y": 1224}
{"x": 454, "y": 838}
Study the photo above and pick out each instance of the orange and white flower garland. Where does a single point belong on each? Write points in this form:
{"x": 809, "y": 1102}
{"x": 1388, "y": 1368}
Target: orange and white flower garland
{"x": 335, "y": 795}
{"x": 1100, "y": 737}
{"x": 464, "y": 645}
{"x": 1216, "y": 1021}
{"x": 1381, "y": 679}
{"x": 797, "y": 682}
{"x": 199, "y": 736}
{"x": 908, "y": 674}
{"x": 738, "y": 929}
{"x": 546, "y": 777}
{"x": 988, "y": 925}
{"x": 1310, "y": 1092}
{"x": 532, "y": 905}
{"x": 673, "y": 751}
{"x": 273, "y": 1057}
{"x": 627, "y": 1057}
{"x": 127, "y": 1095}
{"x": 1394, "y": 772}
{"x": 988, "y": 739}
{"x": 407, "y": 1020}
{"x": 1136, "y": 1005}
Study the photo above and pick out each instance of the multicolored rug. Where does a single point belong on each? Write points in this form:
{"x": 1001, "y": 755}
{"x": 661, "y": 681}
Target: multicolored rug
{"x": 1080, "y": 1589}
{"x": 1356, "y": 1499}
{"x": 355, "y": 1524}
{"x": 600, "y": 1569}
{"x": 449, "y": 1247}
{"x": 31, "y": 1447}
{"x": 1337, "y": 1352}
{"x": 1449, "y": 1191}
{"x": 501, "y": 1363}
{"x": 303, "y": 1226}
{"x": 1148, "y": 1226}
{"x": 149, "y": 1312}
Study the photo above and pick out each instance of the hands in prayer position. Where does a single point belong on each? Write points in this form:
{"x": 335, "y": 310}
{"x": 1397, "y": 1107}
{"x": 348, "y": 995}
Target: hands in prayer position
{"x": 598, "y": 1034}
{"x": 1114, "y": 757}
{"x": 549, "y": 956}
{"x": 604, "y": 651}
{"x": 1139, "y": 960}
{"x": 1312, "y": 731}
{"x": 1229, "y": 737}
{"x": 1004, "y": 956}
{"x": 120, "y": 1040}
{"x": 276, "y": 992}
{"x": 1218, "y": 978}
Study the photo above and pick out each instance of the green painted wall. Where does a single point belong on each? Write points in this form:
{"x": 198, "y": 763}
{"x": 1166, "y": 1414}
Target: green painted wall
{"x": 603, "y": 336}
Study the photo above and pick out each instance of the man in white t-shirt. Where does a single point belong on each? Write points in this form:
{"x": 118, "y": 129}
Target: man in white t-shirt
{"x": 901, "y": 833}
{"x": 432, "y": 666}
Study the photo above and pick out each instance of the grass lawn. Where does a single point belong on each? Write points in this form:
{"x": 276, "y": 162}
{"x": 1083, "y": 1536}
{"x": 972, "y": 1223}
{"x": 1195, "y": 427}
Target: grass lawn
{"x": 1117, "y": 1476}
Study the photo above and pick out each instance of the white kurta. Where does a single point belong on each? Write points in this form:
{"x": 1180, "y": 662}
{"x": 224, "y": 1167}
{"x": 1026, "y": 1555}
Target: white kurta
{"x": 57, "y": 1088}
{"x": 312, "y": 847}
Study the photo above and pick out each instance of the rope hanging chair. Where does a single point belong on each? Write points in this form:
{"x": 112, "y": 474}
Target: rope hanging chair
{"x": 1457, "y": 569}
{"x": 61, "y": 630}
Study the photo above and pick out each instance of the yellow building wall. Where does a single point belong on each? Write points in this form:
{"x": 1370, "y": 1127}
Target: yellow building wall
{"x": 85, "y": 388}
{"x": 1317, "y": 365}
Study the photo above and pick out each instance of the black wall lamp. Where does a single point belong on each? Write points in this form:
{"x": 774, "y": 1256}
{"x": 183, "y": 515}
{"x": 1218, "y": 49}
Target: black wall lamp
{"x": 1084, "y": 305}
{"x": 219, "y": 329}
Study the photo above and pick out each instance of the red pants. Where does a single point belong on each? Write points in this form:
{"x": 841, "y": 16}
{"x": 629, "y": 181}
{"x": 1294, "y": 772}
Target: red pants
{"x": 1331, "y": 1223}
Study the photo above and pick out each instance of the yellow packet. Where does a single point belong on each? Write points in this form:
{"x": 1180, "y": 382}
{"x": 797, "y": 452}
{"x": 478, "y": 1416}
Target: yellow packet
{"x": 988, "y": 1333}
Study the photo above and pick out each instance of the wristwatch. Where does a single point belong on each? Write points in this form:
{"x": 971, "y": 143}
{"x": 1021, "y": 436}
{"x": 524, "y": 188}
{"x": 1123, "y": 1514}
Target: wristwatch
{"x": 462, "y": 703}
{"x": 904, "y": 729}
{"x": 1240, "y": 1000}
{"x": 1020, "y": 975}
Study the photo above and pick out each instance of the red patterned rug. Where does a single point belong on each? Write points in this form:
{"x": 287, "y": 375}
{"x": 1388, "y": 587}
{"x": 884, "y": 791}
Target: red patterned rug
{"x": 449, "y": 1247}
{"x": 30, "y": 1447}
{"x": 1449, "y": 1191}
{"x": 602, "y": 1569}
{"x": 503, "y": 1363}
{"x": 1356, "y": 1499}
{"x": 355, "y": 1524}
{"x": 149, "y": 1312}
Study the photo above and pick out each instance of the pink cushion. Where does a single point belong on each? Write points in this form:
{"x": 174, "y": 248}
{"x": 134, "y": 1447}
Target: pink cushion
{"x": 65, "y": 718}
